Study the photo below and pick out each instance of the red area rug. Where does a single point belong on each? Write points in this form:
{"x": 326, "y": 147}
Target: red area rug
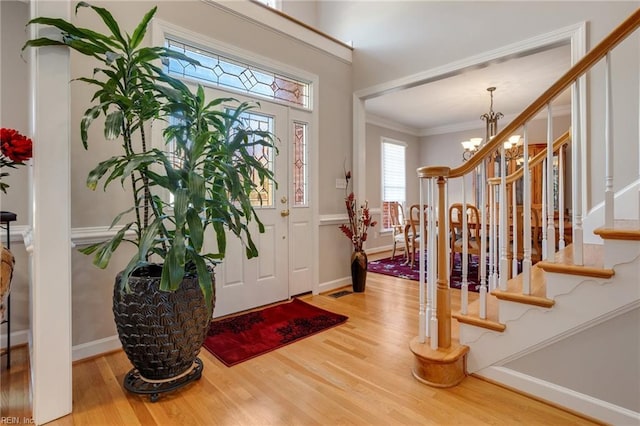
{"x": 397, "y": 268}
{"x": 237, "y": 339}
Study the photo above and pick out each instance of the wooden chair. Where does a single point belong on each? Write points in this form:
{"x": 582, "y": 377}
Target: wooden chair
{"x": 413, "y": 233}
{"x": 396, "y": 222}
{"x": 456, "y": 231}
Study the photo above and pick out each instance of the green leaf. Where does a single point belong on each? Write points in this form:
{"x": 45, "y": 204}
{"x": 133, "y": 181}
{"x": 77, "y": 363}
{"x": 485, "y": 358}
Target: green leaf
{"x": 113, "y": 125}
{"x": 205, "y": 280}
{"x": 196, "y": 230}
{"x": 141, "y": 29}
{"x": 108, "y": 20}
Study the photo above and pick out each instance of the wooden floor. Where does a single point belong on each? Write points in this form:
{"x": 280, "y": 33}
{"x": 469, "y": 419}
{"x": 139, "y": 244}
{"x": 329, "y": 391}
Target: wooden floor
{"x": 356, "y": 373}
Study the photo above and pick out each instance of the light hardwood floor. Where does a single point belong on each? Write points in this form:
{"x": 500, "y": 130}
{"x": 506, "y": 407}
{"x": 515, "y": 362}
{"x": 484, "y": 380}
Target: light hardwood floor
{"x": 356, "y": 373}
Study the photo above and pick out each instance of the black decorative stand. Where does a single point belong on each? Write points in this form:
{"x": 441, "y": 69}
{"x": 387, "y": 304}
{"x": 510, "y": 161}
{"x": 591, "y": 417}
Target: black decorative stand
{"x": 5, "y": 222}
{"x": 135, "y": 383}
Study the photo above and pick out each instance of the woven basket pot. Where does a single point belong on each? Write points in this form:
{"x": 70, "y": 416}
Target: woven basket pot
{"x": 161, "y": 332}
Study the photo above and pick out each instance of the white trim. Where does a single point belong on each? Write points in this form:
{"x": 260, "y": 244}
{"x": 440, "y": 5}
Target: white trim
{"x": 275, "y": 23}
{"x": 332, "y": 219}
{"x": 94, "y": 234}
{"x": 579, "y": 402}
{"x": 17, "y": 338}
{"x": 332, "y": 285}
{"x": 96, "y": 347}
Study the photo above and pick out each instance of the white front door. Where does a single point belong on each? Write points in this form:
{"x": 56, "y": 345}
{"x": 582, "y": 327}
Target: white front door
{"x": 283, "y": 266}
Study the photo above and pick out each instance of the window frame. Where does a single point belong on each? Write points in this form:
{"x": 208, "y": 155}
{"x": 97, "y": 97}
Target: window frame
{"x": 384, "y": 210}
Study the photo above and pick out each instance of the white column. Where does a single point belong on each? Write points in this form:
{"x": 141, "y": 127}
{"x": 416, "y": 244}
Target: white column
{"x": 50, "y": 297}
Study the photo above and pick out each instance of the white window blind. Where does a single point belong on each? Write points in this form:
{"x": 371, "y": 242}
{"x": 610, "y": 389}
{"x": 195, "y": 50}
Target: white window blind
{"x": 393, "y": 171}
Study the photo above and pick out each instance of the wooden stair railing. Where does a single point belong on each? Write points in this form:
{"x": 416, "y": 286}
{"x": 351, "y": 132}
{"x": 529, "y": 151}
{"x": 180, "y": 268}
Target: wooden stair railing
{"x": 440, "y": 360}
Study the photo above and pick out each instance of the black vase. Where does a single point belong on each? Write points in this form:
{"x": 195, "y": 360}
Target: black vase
{"x": 161, "y": 332}
{"x": 359, "y": 265}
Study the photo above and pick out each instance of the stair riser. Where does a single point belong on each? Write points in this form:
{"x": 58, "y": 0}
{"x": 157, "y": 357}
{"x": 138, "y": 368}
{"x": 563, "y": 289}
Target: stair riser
{"x": 619, "y": 251}
{"x": 511, "y": 311}
{"x": 559, "y": 284}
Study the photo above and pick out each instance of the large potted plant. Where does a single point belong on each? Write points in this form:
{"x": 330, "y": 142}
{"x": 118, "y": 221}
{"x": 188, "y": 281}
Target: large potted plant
{"x": 202, "y": 178}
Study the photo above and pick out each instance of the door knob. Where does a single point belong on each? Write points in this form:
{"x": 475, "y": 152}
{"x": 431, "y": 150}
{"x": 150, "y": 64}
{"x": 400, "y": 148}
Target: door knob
{"x": 284, "y": 213}
{"x": 283, "y": 200}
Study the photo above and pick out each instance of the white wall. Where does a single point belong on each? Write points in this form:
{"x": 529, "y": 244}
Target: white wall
{"x": 603, "y": 361}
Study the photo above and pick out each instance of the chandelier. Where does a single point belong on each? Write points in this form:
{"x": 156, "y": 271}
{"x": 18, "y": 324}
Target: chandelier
{"x": 512, "y": 147}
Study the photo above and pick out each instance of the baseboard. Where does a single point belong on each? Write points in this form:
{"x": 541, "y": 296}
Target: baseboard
{"x": 96, "y": 347}
{"x": 561, "y": 396}
{"x": 332, "y": 285}
{"x": 17, "y": 338}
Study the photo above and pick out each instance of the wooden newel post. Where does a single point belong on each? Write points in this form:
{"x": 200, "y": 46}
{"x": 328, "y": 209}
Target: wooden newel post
{"x": 443, "y": 296}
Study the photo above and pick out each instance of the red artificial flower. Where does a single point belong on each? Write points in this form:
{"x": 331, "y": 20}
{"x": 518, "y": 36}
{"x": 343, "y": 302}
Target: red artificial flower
{"x": 17, "y": 147}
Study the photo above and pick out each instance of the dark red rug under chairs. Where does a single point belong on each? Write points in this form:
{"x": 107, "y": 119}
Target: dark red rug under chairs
{"x": 236, "y": 339}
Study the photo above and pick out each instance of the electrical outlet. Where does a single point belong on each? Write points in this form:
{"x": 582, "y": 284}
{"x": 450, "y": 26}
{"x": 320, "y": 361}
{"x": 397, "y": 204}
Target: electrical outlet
{"x": 341, "y": 184}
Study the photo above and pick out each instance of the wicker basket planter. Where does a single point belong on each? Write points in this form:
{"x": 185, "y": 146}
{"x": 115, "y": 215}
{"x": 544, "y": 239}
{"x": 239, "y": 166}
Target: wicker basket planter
{"x": 161, "y": 332}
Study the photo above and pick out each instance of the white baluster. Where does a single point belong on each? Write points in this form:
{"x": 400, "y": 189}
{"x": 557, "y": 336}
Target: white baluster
{"x": 422, "y": 315}
{"x": 464, "y": 290}
{"x": 430, "y": 260}
{"x": 526, "y": 223}
{"x": 551, "y": 228}
{"x": 504, "y": 262}
{"x": 561, "y": 242}
{"x": 514, "y": 231}
{"x": 608, "y": 141}
{"x": 543, "y": 211}
{"x": 433, "y": 324}
{"x": 576, "y": 167}
{"x": 494, "y": 238}
{"x": 483, "y": 209}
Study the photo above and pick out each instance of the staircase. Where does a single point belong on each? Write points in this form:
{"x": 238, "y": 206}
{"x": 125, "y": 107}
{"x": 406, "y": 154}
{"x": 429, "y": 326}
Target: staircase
{"x": 520, "y": 321}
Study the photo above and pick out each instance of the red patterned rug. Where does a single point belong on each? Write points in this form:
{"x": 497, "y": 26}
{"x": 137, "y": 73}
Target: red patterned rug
{"x": 398, "y": 268}
{"x": 237, "y": 339}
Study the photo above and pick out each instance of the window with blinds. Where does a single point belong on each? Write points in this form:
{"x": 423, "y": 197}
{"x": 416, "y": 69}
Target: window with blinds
{"x": 393, "y": 176}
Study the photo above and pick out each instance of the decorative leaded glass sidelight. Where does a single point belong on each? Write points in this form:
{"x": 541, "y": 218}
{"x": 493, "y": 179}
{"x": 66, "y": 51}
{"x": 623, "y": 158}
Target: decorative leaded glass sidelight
{"x": 230, "y": 73}
{"x": 263, "y": 196}
{"x": 300, "y": 154}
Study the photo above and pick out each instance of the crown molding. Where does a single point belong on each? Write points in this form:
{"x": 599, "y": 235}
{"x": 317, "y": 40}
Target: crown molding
{"x": 376, "y": 120}
{"x": 556, "y": 111}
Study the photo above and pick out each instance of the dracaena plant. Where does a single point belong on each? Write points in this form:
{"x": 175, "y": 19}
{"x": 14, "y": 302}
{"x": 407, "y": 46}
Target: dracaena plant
{"x": 207, "y": 163}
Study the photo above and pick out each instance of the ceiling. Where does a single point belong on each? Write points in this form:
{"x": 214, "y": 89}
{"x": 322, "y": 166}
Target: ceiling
{"x": 456, "y": 103}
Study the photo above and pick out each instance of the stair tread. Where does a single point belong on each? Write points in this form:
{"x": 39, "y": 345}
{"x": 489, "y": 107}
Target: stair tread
{"x": 473, "y": 315}
{"x": 593, "y": 264}
{"x": 623, "y": 229}
{"x": 538, "y": 290}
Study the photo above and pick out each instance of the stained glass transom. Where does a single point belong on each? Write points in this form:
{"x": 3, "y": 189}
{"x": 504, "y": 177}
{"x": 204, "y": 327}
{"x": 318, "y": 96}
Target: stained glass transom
{"x": 264, "y": 195}
{"x": 226, "y": 72}
{"x": 300, "y": 154}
